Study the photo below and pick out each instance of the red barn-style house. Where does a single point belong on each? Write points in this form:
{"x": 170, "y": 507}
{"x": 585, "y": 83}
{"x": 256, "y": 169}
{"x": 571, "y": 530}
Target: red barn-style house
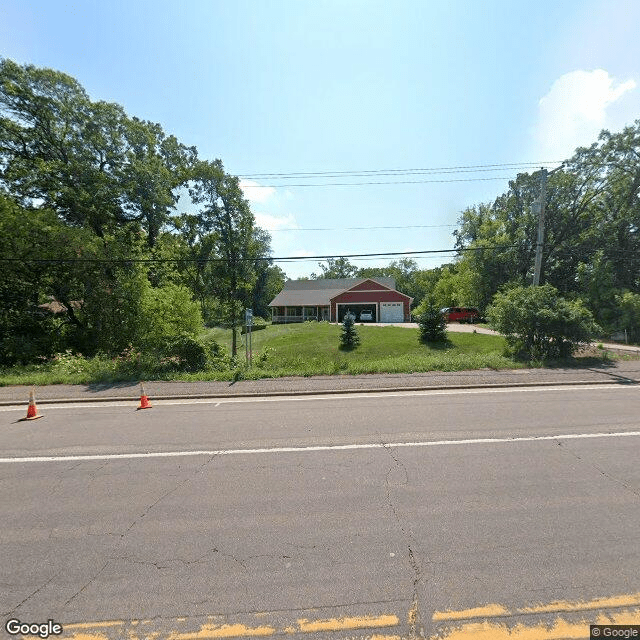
{"x": 368, "y": 299}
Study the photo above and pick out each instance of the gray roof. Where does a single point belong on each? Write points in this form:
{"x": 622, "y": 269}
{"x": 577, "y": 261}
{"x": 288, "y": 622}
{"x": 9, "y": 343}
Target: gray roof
{"x": 313, "y": 293}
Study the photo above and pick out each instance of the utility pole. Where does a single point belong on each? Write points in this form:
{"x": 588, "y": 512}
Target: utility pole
{"x": 539, "y": 205}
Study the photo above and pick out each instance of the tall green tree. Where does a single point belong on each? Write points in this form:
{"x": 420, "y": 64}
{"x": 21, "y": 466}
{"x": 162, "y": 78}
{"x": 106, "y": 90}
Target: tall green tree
{"x": 592, "y": 227}
{"x": 44, "y": 261}
{"x": 336, "y": 268}
{"x": 226, "y": 215}
{"x": 269, "y": 278}
{"x": 195, "y": 248}
{"x": 87, "y": 161}
{"x": 26, "y": 331}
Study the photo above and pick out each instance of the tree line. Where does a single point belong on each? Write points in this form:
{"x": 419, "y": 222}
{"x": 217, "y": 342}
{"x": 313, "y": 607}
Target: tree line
{"x": 124, "y": 225}
{"x": 591, "y": 248}
{"x": 142, "y": 241}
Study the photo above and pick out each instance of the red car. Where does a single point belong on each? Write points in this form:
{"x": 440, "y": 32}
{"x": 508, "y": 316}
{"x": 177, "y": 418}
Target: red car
{"x": 461, "y": 314}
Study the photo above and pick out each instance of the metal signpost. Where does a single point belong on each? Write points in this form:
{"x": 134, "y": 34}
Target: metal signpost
{"x": 248, "y": 320}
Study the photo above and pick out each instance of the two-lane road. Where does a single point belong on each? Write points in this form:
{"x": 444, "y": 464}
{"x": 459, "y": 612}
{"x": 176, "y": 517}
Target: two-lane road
{"x": 372, "y": 515}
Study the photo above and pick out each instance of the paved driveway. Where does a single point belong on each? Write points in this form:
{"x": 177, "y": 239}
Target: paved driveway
{"x": 454, "y": 326}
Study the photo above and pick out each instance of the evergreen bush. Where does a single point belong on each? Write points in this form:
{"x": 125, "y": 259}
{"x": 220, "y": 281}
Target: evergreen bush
{"x": 349, "y": 338}
{"x": 431, "y": 322}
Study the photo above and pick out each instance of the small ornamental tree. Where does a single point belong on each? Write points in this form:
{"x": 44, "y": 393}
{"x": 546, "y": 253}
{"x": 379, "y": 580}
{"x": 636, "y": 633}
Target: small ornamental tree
{"x": 539, "y": 324}
{"x": 431, "y": 322}
{"x": 349, "y": 338}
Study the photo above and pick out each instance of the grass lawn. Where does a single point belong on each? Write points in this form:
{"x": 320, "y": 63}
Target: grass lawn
{"x": 296, "y": 350}
{"x": 312, "y": 349}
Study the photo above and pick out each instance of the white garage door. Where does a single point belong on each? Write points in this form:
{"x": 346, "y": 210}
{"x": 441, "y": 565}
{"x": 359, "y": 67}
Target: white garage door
{"x": 391, "y": 312}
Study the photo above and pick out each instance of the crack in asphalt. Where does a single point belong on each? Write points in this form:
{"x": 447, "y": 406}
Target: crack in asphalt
{"x": 164, "y": 564}
{"x": 40, "y": 588}
{"x": 180, "y": 484}
{"x": 633, "y": 490}
{"x": 122, "y": 535}
{"x": 86, "y": 584}
{"x": 416, "y": 629}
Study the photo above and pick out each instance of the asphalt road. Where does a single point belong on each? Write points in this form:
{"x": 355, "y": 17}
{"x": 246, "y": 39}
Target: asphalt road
{"x": 446, "y": 514}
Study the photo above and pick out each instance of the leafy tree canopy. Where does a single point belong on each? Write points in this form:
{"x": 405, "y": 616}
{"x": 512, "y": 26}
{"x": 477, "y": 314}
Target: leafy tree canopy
{"x": 88, "y": 161}
{"x": 336, "y": 268}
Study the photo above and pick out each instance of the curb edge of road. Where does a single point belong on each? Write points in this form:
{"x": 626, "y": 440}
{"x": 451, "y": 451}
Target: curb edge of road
{"x": 320, "y": 392}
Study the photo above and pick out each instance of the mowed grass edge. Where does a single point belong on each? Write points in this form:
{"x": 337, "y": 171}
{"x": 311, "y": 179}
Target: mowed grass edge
{"x": 296, "y": 350}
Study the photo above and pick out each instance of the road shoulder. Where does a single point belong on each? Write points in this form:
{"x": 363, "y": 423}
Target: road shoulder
{"x": 615, "y": 372}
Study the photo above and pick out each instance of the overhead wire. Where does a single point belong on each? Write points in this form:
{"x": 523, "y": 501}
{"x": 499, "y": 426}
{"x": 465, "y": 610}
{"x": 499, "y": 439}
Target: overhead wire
{"x": 406, "y": 226}
{"x": 471, "y": 168}
{"x": 374, "y": 255}
{"x": 371, "y": 182}
{"x": 370, "y": 173}
{"x": 254, "y": 259}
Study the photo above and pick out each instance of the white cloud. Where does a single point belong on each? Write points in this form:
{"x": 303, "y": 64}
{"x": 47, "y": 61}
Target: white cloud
{"x": 574, "y": 112}
{"x": 255, "y": 192}
{"x": 273, "y": 223}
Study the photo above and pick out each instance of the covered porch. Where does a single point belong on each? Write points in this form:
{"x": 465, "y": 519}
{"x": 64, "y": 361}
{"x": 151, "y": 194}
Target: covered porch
{"x": 282, "y": 315}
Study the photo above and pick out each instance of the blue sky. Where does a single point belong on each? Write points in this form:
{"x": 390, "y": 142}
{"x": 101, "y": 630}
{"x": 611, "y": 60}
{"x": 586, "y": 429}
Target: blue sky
{"x": 277, "y": 86}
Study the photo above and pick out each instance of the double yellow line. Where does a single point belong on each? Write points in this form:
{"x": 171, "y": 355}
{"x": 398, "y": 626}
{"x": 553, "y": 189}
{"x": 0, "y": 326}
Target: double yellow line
{"x": 496, "y": 622}
{"x": 215, "y": 627}
{"x": 570, "y": 621}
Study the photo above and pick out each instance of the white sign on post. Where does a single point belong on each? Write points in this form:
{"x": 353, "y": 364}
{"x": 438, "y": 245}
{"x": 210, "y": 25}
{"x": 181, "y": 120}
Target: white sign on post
{"x": 248, "y": 320}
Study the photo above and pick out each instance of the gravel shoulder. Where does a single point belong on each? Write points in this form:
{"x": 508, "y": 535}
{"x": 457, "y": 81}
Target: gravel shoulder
{"x": 616, "y": 372}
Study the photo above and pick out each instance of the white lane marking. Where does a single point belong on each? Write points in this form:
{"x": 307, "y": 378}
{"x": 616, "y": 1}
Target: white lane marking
{"x": 314, "y": 448}
{"x": 326, "y": 397}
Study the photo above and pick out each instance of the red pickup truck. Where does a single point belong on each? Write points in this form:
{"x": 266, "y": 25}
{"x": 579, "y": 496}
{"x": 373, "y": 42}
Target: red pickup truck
{"x": 461, "y": 314}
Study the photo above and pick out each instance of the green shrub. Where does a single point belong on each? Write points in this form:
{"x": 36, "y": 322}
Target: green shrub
{"x": 29, "y": 343}
{"x": 129, "y": 362}
{"x": 263, "y": 358}
{"x": 431, "y": 323}
{"x": 539, "y": 324}
{"x": 168, "y": 312}
{"x": 217, "y": 356}
{"x": 184, "y": 353}
{"x": 349, "y": 338}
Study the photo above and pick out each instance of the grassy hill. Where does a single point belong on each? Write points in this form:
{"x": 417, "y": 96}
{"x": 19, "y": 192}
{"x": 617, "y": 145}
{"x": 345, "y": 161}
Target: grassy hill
{"x": 312, "y": 349}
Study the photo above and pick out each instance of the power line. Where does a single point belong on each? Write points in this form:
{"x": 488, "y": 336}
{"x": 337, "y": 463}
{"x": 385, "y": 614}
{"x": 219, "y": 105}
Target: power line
{"x": 421, "y": 254}
{"x": 408, "y": 226}
{"x": 433, "y": 170}
{"x": 128, "y": 261}
{"x": 350, "y": 184}
{"x": 306, "y": 259}
{"x": 424, "y": 252}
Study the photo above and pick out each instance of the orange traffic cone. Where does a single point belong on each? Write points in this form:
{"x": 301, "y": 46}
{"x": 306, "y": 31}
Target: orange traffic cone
{"x": 32, "y": 411}
{"x": 144, "y": 401}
